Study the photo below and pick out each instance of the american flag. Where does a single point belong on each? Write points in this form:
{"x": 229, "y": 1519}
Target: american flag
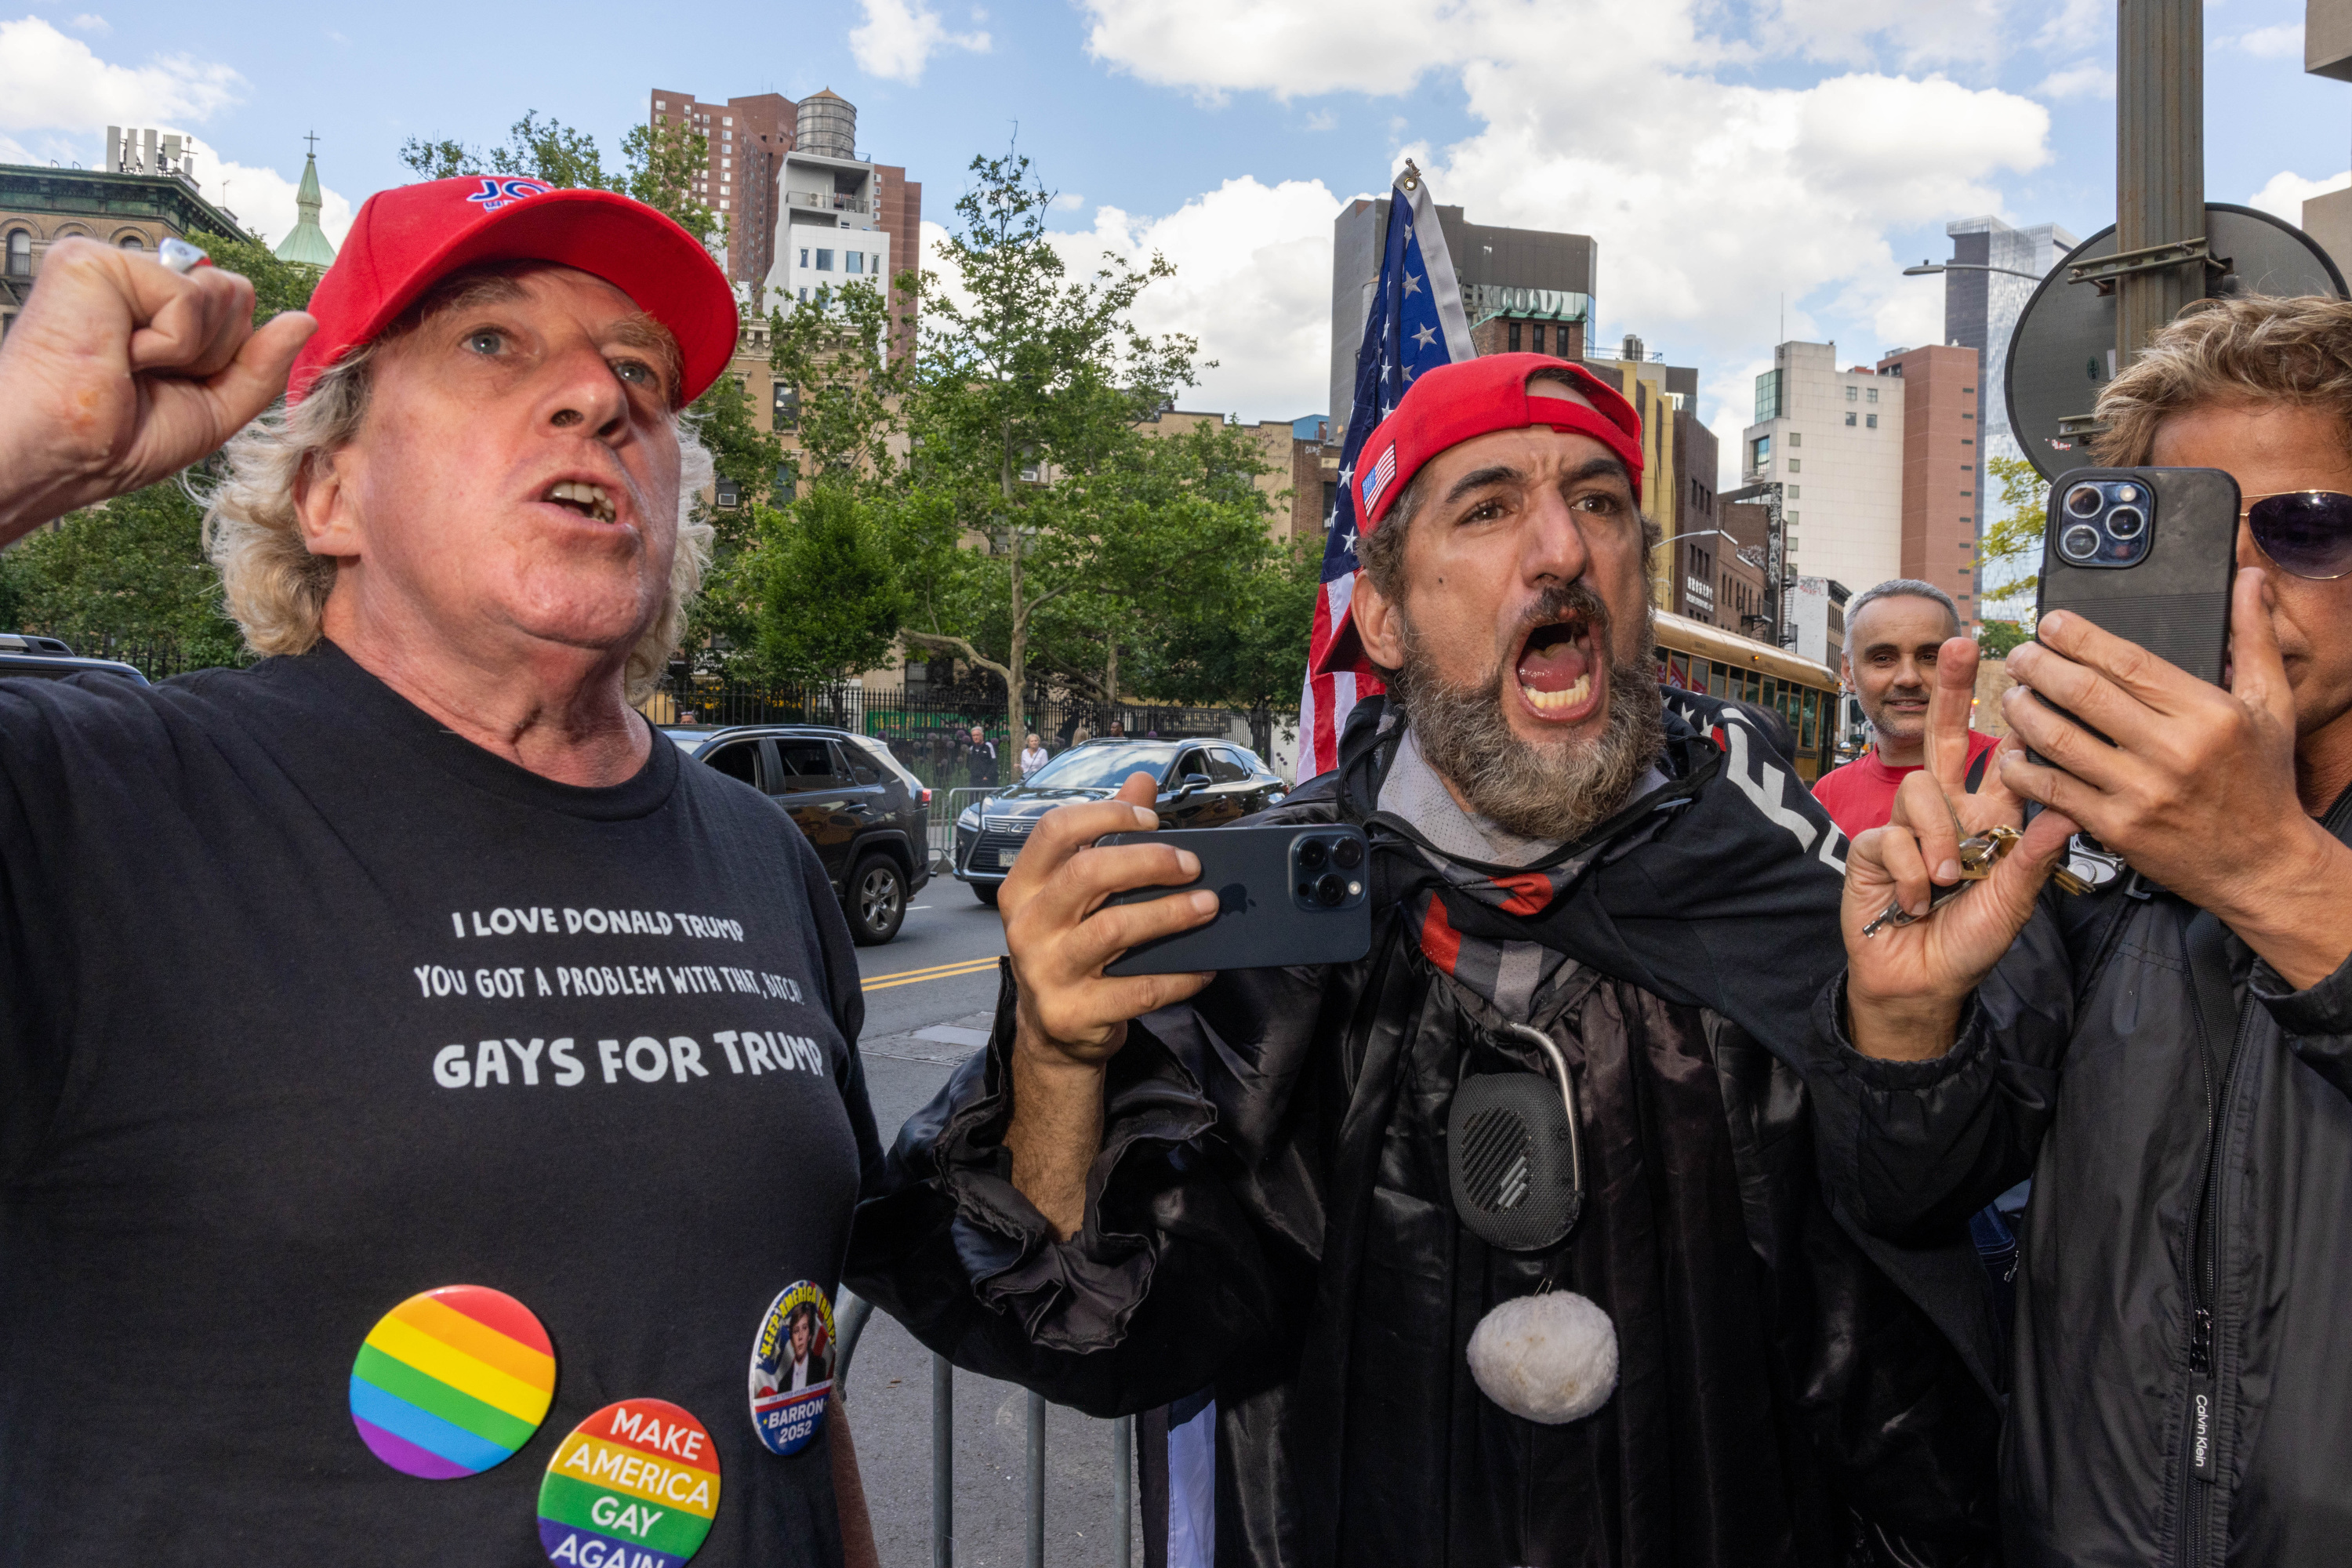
{"x": 1413, "y": 322}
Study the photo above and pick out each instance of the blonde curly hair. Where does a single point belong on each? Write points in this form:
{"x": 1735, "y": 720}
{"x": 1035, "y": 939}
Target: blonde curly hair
{"x": 2260, "y": 349}
{"x": 276, "y": 589}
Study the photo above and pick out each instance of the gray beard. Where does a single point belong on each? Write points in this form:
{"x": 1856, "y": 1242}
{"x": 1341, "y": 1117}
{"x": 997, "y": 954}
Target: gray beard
{"x": 1558, "y": 793}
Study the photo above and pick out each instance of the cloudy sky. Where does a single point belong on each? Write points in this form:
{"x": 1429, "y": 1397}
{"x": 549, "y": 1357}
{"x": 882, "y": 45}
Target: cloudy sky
{"x": 1735, "y": 160}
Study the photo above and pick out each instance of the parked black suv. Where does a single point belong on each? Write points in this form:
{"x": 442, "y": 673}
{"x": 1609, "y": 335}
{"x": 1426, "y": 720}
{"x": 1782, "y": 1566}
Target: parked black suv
{"x": 864, "y": 811}
{"x": 1203, "y": 783}
{"x": 53, "y": 658}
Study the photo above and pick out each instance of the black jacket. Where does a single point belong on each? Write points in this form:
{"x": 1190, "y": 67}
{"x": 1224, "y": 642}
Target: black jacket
{"x": 1270, "y": 1216}
{"x": 2184, "y": 1115}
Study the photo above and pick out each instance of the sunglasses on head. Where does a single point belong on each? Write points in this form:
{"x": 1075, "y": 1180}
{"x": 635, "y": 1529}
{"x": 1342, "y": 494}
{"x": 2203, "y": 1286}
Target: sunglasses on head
{"x": 2305, "y": 532}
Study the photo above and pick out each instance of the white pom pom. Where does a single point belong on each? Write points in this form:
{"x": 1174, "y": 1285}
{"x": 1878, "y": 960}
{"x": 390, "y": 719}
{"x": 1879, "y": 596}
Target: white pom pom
{"x": 1549, "y": 1358}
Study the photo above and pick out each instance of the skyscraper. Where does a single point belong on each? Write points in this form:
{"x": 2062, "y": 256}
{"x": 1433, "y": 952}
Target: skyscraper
{"x": 1980, "y": 312}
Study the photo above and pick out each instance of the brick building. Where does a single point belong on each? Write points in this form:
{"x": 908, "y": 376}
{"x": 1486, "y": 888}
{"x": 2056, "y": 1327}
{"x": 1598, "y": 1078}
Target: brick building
{"x": 1942, "y": 458}
{"x": 749, "y": 137}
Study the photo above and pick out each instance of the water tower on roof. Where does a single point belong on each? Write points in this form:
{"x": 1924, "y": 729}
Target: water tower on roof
{"x": 828, "y": 126}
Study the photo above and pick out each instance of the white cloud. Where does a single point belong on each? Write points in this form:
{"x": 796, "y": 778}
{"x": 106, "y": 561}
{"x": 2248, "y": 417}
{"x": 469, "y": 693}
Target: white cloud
{"x": 1252, "y": 282}
{"x": 2283, "y": 197}
{"x": 2283, "y": 41}
{"x": 1710, "y": 195}
{"x": 1069, "y": 202}
{"x": 89, "y": 22}
{"x": 899, "y": 36}
{"x": 48, "y": 81}
{"x": 2089, "y": 80}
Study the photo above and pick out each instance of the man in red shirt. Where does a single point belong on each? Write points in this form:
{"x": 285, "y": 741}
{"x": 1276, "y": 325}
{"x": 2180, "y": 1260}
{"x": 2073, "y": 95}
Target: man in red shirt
{"x": 1891, "y": 633}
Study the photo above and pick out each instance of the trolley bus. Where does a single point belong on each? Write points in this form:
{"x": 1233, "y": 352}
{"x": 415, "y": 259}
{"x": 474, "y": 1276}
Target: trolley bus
{"x": 1700, "y": 657}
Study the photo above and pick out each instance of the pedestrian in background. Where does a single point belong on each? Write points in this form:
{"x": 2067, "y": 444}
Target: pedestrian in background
{"x": 979, "y": 758}
{"x": 1892, "y": 634}
{"x": 1032, "y": 757}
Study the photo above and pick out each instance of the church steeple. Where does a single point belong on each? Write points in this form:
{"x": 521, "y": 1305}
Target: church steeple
{"x": 308, "y": 243}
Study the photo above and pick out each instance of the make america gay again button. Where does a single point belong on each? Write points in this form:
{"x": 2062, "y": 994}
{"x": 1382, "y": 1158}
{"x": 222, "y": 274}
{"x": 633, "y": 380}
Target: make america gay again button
{"x": 452, "y": 1382}
{"x": 635, "y": 1486}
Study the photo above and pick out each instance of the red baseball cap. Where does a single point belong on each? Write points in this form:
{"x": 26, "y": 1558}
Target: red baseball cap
{"x": 408, "y": 238}
{"x": 1461, "y": 401}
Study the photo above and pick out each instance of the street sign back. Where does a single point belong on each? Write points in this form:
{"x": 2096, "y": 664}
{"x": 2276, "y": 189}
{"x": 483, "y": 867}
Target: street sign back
{"x": 2063, "y": 353}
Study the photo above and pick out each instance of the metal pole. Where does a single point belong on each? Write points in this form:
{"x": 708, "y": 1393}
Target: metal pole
{"x": 1122, "y": 1489}
{"x": 2160, "y": 160}
{"x": 942, "y": 1462}
{"x": 1037, "y": 1558}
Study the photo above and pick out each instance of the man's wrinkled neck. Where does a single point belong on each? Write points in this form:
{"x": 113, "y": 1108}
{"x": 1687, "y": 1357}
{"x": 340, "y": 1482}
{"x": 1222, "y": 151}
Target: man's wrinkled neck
{"x": 560, "y": 712}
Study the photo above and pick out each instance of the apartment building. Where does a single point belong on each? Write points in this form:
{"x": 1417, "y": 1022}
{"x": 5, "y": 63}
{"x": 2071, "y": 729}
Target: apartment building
{"x": 1833, "y": 440}
{"x": 748, "y": 137}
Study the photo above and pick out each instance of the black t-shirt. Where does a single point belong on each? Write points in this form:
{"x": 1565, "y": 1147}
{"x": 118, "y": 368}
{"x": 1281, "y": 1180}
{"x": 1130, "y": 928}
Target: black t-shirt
{"x": 308, "y": 1005}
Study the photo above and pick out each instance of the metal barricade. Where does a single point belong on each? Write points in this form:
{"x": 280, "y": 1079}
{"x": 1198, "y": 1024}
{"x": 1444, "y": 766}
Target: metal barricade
{"x": 947, "y": 804}
{"x": 849, "y": 1327}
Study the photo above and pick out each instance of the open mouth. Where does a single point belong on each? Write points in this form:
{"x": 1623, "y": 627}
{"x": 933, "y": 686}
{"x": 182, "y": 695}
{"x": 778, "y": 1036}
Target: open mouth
{"x": 593, "y": 501}
{"x": 1556, "y": 668}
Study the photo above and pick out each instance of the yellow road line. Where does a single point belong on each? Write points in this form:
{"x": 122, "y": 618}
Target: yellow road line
{"x": 917, "y": 976}
{"x": 959, "y": 965}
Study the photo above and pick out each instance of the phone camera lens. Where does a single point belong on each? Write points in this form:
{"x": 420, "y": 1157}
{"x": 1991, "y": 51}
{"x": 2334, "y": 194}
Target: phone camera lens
{"x": 1312, "y": 854}
{"x": 2126, "y": 522}
{"x": 2085, "y": 500}
{"x": 1347, "y": 853}
{"x": 2080, "y": 543}
{"x": 1330, "y": 890}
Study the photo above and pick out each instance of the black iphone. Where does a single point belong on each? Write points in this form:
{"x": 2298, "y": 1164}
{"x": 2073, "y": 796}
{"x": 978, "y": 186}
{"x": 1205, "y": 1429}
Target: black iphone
{"x": 2149, "y": 554}
{"x": 1294, "y": 895}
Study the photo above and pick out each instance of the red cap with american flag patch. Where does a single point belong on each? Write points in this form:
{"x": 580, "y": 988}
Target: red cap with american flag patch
{"x": 1462, "y": 401}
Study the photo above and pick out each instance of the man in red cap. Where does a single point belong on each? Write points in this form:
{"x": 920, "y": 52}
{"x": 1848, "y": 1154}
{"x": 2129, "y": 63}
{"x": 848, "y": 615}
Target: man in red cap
{"x": 411, "y": 957}
{"x": 1338, "y": 1199}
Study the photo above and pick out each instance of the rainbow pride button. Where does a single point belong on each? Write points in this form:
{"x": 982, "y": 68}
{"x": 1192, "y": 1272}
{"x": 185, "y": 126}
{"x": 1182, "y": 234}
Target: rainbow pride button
{"x": 452, "y": 1382}
{"x": 635, "y": 1486}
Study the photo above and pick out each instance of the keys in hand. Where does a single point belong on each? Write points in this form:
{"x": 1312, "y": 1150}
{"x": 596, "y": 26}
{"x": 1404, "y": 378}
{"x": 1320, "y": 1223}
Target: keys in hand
{"x": 1978, "y": 857}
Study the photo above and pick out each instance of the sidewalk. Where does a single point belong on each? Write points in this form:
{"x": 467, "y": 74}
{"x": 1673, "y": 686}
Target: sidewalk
{"x": 888, "y": 1397}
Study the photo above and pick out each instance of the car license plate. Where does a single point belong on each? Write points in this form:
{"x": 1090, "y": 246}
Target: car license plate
{"x": 1004, "y": 859}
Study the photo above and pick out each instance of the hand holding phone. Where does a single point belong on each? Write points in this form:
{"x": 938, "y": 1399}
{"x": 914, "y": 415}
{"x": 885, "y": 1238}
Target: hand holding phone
{"x": 2192, "y": 782}
{"x": 1290, "y": 895}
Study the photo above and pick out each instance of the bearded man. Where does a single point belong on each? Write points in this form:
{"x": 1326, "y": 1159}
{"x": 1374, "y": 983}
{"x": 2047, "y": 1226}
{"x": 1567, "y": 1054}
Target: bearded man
{"x": 1146, "y": 1187}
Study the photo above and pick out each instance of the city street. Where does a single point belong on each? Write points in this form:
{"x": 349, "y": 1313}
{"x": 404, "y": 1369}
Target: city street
{"x": 929, "y": 995}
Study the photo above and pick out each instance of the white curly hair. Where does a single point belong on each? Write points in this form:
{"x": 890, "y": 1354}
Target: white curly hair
{"x": 276, "y": 589}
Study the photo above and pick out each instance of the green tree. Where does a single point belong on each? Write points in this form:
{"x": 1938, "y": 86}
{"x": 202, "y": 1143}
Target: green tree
{"x": 832, "y": 600}
{"x": 1247, "y": 648}
{"x": 132, "y": 569}
{"x": 1026, "y": 394}
{"x": 1997, "y": 638}
{"x": 2009, "y": 555}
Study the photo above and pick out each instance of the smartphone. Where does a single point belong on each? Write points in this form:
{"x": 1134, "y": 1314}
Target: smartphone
{"x": 2149, "y": 554}
{"x": 1285, "y": 896}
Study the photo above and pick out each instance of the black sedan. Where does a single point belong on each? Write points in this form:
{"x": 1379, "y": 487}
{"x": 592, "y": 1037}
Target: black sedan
{"x": 1203, "y": 783}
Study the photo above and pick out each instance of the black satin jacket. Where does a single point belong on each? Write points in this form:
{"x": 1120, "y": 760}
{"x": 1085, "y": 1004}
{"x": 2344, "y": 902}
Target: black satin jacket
{"x": 2185, "y": 1275}
{"x": 1269, "y": 1216}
